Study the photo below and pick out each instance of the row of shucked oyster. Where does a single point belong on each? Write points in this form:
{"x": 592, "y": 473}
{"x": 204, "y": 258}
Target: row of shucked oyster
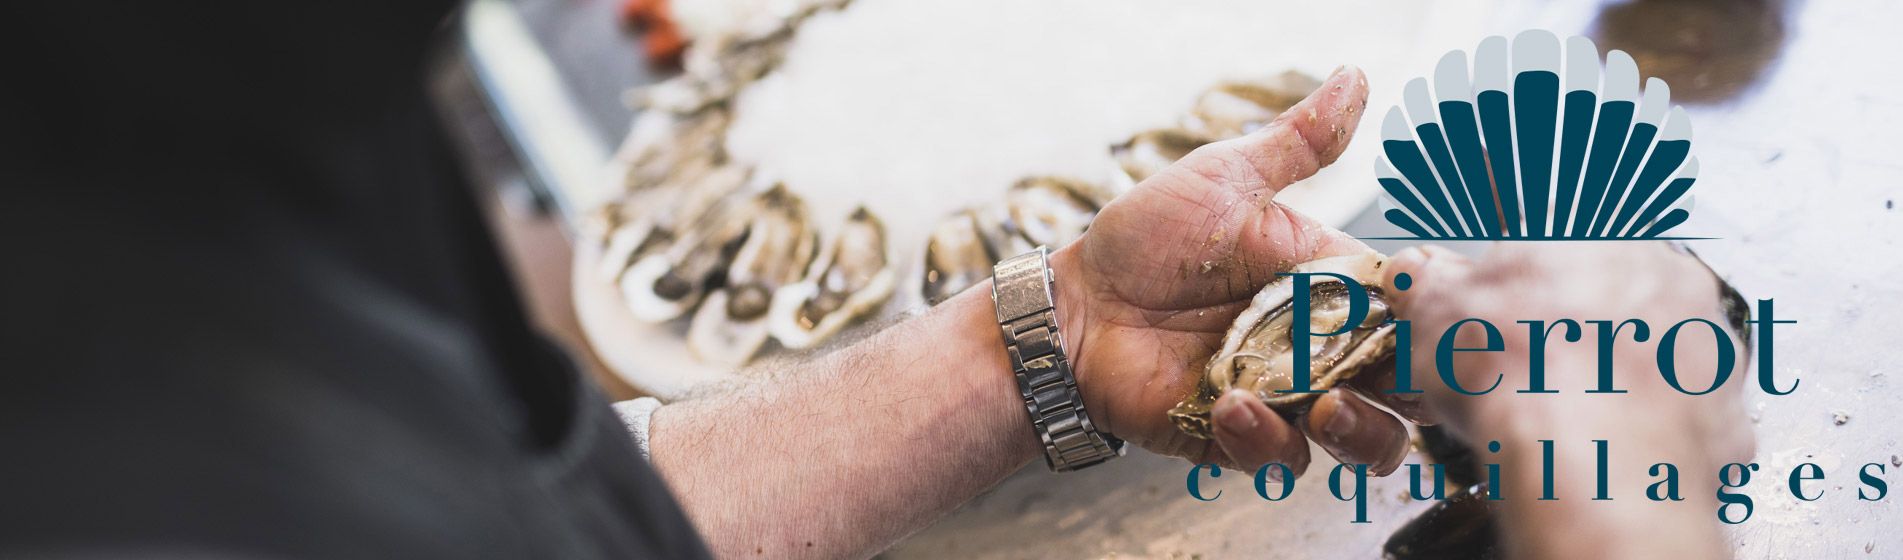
{"x": 692, "y": 236}
{"x": 745, "y": 264}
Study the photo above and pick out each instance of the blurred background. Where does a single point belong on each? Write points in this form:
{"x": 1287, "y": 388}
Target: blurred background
{"x": 921, "y": 111}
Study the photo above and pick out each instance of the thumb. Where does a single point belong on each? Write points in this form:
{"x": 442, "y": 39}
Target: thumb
{"x": 1299, "y": 142}
{"x": 1246, "y": 237}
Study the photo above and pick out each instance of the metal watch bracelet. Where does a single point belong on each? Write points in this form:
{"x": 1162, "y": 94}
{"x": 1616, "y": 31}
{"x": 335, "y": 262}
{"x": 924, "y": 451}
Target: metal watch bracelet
{"x": 1021, "y": 288}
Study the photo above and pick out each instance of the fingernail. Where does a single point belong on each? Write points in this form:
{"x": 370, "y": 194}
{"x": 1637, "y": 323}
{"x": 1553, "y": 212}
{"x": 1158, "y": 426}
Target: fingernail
{"x": 1433, "y": 251}
{"x": 1230, "y": 412}
{"x": 1392, "y": 463}
{"x": 1347, "y": 70}
{"x": 1412, "y": 399}
{"x": 1341, "y": 423}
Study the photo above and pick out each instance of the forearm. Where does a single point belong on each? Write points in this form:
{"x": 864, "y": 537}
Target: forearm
{"x": 842, "y": 455}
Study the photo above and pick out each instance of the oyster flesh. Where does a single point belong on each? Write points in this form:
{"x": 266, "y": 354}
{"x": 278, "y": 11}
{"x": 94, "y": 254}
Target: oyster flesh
{"x": 667, "y": 282}
{"x": 647, "y": 221}
{"x": 731, "y": 325}
{"x": 1257, "y": 353}
{"x": 849, "y": 280}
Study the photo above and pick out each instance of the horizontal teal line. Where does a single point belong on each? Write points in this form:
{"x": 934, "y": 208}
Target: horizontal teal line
{"x": 1541, "y": 238}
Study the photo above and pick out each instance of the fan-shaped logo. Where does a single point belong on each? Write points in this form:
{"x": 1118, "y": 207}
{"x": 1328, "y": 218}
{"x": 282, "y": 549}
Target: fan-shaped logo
{"x": 1508, "y": 155}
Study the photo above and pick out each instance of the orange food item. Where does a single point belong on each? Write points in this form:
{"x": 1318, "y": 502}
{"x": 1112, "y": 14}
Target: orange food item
{"x": 661, "y": 39}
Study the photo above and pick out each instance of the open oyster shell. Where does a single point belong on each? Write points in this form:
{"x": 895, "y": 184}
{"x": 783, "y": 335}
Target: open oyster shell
{"x": 645, "y": 222}
{"x": 667, "y": 282}
{"x": 1043, "y": 210}
{"x": 668, "y": 149}
{"x": 719, "y": 66}
{"x": 964, "y": 247}
{"x": 1232, "y": 109}
{"x": 1256, "y": 354}
{"x": 1148, "y": 152}
{"x": 1227, "y": 110}
{"x": 1053, "y": 211}
{"x": 852, "y": 277}
{"x": 956, "y": 257}
{"x": 731, "y": 325}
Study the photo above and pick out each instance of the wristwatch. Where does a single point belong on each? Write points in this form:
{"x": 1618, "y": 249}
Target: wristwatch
{"x": 1021, "y": 289}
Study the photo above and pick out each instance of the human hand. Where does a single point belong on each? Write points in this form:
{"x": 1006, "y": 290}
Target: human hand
{"x": 1147, "y": 293}
{"x": 1584, "y": 282}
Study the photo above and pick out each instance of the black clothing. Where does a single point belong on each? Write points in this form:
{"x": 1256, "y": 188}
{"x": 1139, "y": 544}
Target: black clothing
{"x": 251, "y": 309}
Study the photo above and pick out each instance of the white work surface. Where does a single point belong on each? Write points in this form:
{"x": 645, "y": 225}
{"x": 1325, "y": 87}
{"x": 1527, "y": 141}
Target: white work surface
{"x": 1798, "y": 182}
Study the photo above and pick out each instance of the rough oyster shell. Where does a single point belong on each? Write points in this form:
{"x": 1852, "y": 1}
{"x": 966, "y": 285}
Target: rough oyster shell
{"x": 718, "y": 67}
{"x": 957, "y": 256}
{"x": 1053, "y": 211}
{"x": 1256, "y": 353}
{"x": 850, "y": 279}
{"x": 1228, "y": 110}
{"x": 731, "y": 325}
{"x": 1148, "y": 152}
{"x": 675, "y": 150}
{"x": 1044, "y": 210}
{"x": 964, "y": 247}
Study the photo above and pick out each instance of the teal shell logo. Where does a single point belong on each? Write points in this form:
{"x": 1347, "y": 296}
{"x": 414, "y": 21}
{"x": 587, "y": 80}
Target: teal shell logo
{"x": 1540, "y": 143}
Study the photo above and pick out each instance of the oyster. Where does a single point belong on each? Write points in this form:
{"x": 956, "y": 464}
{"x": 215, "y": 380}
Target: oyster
{"x": 718, "y": 67}
{"x": 1044, "y": 210}
{"x": 964, "y": 247}
{"x": 715, "y": 74}
{"x": 1233, "y": 109}
{"x": 1228, "y": 110}
{"x": 627, "y": 244}
{"x": 667, "y": 149}
{"x": 647, "y": 221}
{"x": 1148, "y": 152}
{"x": 1053, "y": 211}
{"x": 1257, "y": 353}
{"x": 731, "y": 325}
{"x": 849, "y": 280}
{"x": 957, "y": 256}
{"x": 666, "y": 282}
{"x": 1001, "y": 234}
{"x": 600, "y": 223}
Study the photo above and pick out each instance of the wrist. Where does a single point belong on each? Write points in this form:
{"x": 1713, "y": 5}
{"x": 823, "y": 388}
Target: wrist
{"x": 1030, "y": 312}
{"x": 1076, "y": 322}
